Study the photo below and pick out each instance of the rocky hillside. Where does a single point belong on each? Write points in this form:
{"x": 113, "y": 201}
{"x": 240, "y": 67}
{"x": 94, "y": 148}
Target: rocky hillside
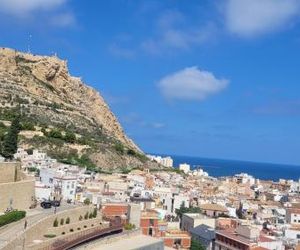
{"x": 53, "y": 104}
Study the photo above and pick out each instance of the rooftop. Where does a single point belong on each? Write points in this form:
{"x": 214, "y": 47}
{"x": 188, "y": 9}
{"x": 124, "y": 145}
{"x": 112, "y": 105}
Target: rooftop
{"x": 213, "y": 207}
{"x": 195, "y": 215}
{"x": 204, "y": 231}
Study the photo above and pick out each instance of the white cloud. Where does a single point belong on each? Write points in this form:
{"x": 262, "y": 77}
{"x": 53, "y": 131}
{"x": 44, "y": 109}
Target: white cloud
{"x": 249, "y": 18}
{"x": 23, "y": 7}
{"x": 191, "y": 84}
{"x": 174, "y": 31}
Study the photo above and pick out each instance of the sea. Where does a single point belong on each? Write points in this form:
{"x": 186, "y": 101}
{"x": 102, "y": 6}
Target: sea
{"x": 263, "y": 171}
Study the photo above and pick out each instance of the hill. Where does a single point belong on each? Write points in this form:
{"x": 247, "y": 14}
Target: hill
{"x": 61, "y": 115}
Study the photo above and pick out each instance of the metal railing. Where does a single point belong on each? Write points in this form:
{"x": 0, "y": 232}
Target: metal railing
{"x": 85, "y": 236}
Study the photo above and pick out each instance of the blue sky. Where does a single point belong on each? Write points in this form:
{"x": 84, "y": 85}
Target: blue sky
{"x": 216, "y": 79}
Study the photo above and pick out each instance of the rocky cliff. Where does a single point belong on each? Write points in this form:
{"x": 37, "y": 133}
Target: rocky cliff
{"x": 47, "y": 96}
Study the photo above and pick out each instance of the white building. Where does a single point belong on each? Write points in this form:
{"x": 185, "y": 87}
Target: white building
{"x": 167, "y": 162}
{"x": 293, "y": 216}
{"x": 185, "y": 167}
{"x": 66, "y": 186}
{"x": 245, "y": 178}
{"x": 200, "y": 172}
{"x": 61, "y": 180}
{"x": 37, "y": 159}
{"x": 295, "y": 187}
{"x": 174, "y": 201}
{"x": 42, "y": 192}
{"x": 292, "y": 233}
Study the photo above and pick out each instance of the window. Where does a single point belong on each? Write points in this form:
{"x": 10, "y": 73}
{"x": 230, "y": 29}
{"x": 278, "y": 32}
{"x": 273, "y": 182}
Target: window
{"x": 177, "y": 242}
{"x": 298, "y": 236}
{"x": 151, "y": 222}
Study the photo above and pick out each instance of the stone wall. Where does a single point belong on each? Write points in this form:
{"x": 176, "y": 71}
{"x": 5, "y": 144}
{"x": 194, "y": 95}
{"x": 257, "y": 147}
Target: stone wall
{"x": 9, "y": 171}
{"x": 19, "y": 194}
{"x": 34, "y": 235}
{"x": 37, "y": 231}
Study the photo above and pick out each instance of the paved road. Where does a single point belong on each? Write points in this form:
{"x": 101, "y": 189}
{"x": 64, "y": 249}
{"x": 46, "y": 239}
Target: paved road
{"x": 10, "y": 231}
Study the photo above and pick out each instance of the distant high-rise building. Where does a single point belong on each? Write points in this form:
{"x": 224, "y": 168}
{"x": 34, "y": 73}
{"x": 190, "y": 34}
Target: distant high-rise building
{"x": 167, "y": 161}
{"x": 185, "y": 167}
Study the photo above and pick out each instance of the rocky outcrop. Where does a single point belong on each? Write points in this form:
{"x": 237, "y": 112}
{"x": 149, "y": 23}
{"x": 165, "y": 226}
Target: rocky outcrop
{"x": 43, "y": 81}
{"x": 50, "y": 96}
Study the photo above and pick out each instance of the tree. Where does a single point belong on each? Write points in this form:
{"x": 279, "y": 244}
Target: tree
{"x": 95, "y": 213}
{"x": 70, "y": 137}
{"x": 183, "y": 209}
{"x": 87, "y": 201}
{"x": 68, "y": 220}
{"x": 196, "y": 245}
{"x": 10, "y": 143}
{"x": 55, "y": 223}
{"x": 55, "y": 133}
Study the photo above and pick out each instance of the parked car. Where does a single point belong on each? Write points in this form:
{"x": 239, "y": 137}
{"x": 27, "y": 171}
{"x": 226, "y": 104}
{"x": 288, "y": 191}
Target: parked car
{"x": 46, "y": 204}
{"x": 55, "y": 203}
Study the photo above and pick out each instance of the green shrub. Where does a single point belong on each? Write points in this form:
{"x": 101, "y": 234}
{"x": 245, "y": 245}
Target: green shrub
{"x": 119, "y": 148}
{"x": 55, "y": 133}
{"x": 2, "y": 125}
{"x": 125, "y": 170}
{"x": 68, "y": 220}
{"x": 95, "y": 213}
{"x": 62, "y": 221}
{"x": 91, "y": 216}
{"x": 131, "y": 152}
{"x": 129, "y": 226}
{"x": 86, "y": 216}
{"x": 11, "y": 217}
{"x": 80, "y": 218}
{"x": 70, "y": 137}
{"x": 50, "y": 235}
{"x": 87, "y": 201}
{"x": 32, "y": 169}
{"x": 55, "y": 223}
{"x": 27, "y": 126}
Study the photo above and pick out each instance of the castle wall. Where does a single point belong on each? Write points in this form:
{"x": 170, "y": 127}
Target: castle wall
{"x": 20, "y": 194}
